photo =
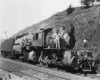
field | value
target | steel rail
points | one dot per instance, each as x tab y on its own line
16	72
19	64
23	67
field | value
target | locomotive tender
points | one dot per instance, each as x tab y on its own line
33	47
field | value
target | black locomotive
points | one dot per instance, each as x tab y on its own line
34	46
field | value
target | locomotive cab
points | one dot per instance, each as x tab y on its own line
38	38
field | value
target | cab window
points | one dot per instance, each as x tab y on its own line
35	36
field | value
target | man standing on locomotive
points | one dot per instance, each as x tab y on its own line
56	38
64	37
61	29
49	41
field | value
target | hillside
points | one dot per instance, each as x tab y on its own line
86	23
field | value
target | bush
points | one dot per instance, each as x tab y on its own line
69	10
98	0
86	3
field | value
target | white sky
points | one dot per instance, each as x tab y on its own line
16	15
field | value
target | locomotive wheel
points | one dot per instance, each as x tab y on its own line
3	54
25	56
74	63
17	56
85	73
13	55
31	56
96	69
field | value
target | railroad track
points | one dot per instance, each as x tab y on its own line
37	73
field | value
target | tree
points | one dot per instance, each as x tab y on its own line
98	0
69	9
86	3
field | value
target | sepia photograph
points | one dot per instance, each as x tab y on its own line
49	40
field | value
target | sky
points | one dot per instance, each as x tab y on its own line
16	15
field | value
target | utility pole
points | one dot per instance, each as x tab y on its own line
6	35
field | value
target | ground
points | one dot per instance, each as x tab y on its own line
4	75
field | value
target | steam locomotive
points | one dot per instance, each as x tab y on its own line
34	48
